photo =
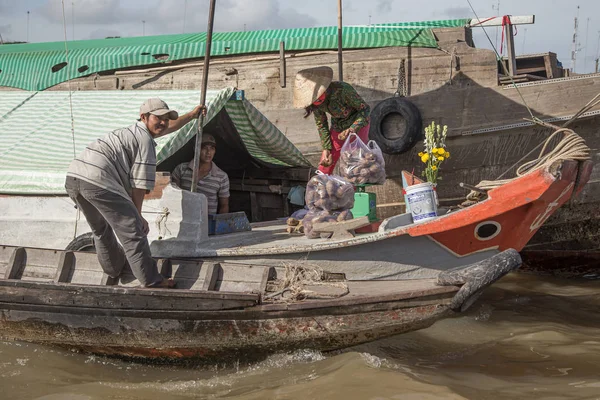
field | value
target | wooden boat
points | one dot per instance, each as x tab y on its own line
226	316
451	82
400	278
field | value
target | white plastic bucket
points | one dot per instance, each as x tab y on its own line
422	202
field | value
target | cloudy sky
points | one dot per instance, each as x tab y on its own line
91	19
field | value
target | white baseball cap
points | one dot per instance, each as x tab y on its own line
157	107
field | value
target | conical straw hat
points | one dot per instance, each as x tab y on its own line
310	84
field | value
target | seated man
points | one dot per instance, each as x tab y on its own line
213	182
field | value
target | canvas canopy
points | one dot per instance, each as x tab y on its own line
37	66
37	143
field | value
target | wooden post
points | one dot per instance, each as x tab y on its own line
510	48
16	264
66	263
211	276
284	198
597	60
340	61
211	18
254	208
282	64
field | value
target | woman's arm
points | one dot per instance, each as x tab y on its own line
323	128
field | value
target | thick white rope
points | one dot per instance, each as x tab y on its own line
570	147
297	277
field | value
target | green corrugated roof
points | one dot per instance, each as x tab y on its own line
37	146
29	66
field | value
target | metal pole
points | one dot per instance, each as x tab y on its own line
598	51
184	12
574	45
340	61
211	18
73	18
585	47
143	28
27	26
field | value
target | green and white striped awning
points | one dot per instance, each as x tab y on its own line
37	66
37	143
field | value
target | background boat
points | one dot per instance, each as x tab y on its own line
434	64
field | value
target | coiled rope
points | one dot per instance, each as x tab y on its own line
297	277
570	147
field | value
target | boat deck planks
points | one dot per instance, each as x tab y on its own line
371	292
223	286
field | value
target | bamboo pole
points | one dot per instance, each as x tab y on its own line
211	18
340	61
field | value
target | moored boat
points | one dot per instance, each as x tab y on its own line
434	65
231	299
229	313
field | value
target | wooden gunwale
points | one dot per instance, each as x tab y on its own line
34	296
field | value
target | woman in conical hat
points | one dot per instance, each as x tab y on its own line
318	95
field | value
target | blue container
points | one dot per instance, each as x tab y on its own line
219	224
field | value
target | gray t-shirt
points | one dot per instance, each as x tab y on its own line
122	160
213	185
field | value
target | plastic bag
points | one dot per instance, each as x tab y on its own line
329	192
316	215
362	163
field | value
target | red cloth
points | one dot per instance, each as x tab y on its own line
337	144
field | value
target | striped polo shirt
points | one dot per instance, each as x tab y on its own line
213	185
122	160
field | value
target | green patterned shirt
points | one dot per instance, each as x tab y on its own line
347	110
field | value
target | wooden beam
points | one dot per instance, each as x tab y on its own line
531	70
282	74
212	274
267	275
66	263
497	21
16	264
284	199
117	298
254	208
510	49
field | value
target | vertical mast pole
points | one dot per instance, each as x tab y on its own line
211	18
340	61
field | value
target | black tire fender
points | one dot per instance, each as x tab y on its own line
476	277
83	242
396	125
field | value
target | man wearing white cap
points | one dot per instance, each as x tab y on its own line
108	181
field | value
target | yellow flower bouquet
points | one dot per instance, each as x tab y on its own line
435	151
